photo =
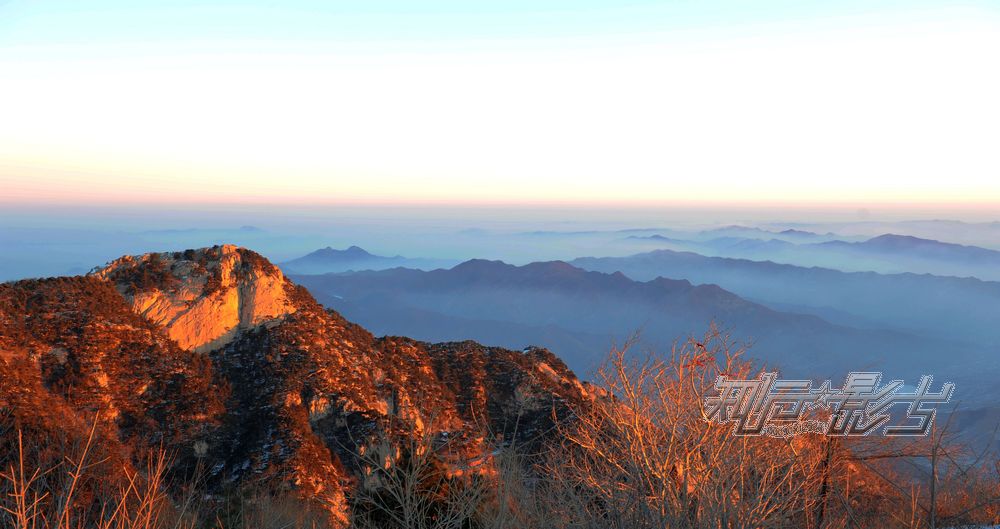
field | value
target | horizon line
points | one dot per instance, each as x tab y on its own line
503	202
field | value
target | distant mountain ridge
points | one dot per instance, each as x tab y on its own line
964	309
983	234
886	253
584	305
327	260
926	248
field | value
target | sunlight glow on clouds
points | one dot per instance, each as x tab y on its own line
880	107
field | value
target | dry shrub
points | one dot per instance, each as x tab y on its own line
82	490
71	495
263	509
644	455
413	483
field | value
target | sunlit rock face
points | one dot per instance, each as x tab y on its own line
202	297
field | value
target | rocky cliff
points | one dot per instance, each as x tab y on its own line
203	298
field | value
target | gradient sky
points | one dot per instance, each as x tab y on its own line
514	101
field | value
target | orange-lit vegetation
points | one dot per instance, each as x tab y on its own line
639	454
648	458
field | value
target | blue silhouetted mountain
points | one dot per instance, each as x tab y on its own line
888	253
964	309
915	247
580	314
327	260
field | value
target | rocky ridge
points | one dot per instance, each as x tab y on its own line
216	356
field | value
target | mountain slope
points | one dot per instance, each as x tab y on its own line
288	398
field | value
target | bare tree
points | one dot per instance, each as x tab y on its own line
407	483
644	455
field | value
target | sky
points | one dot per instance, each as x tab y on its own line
544	101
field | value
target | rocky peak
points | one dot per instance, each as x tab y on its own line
273	388
358	251
204	297
353	252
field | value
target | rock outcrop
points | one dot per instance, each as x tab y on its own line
202	297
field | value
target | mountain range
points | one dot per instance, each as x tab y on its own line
888	253
960	309
581	314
